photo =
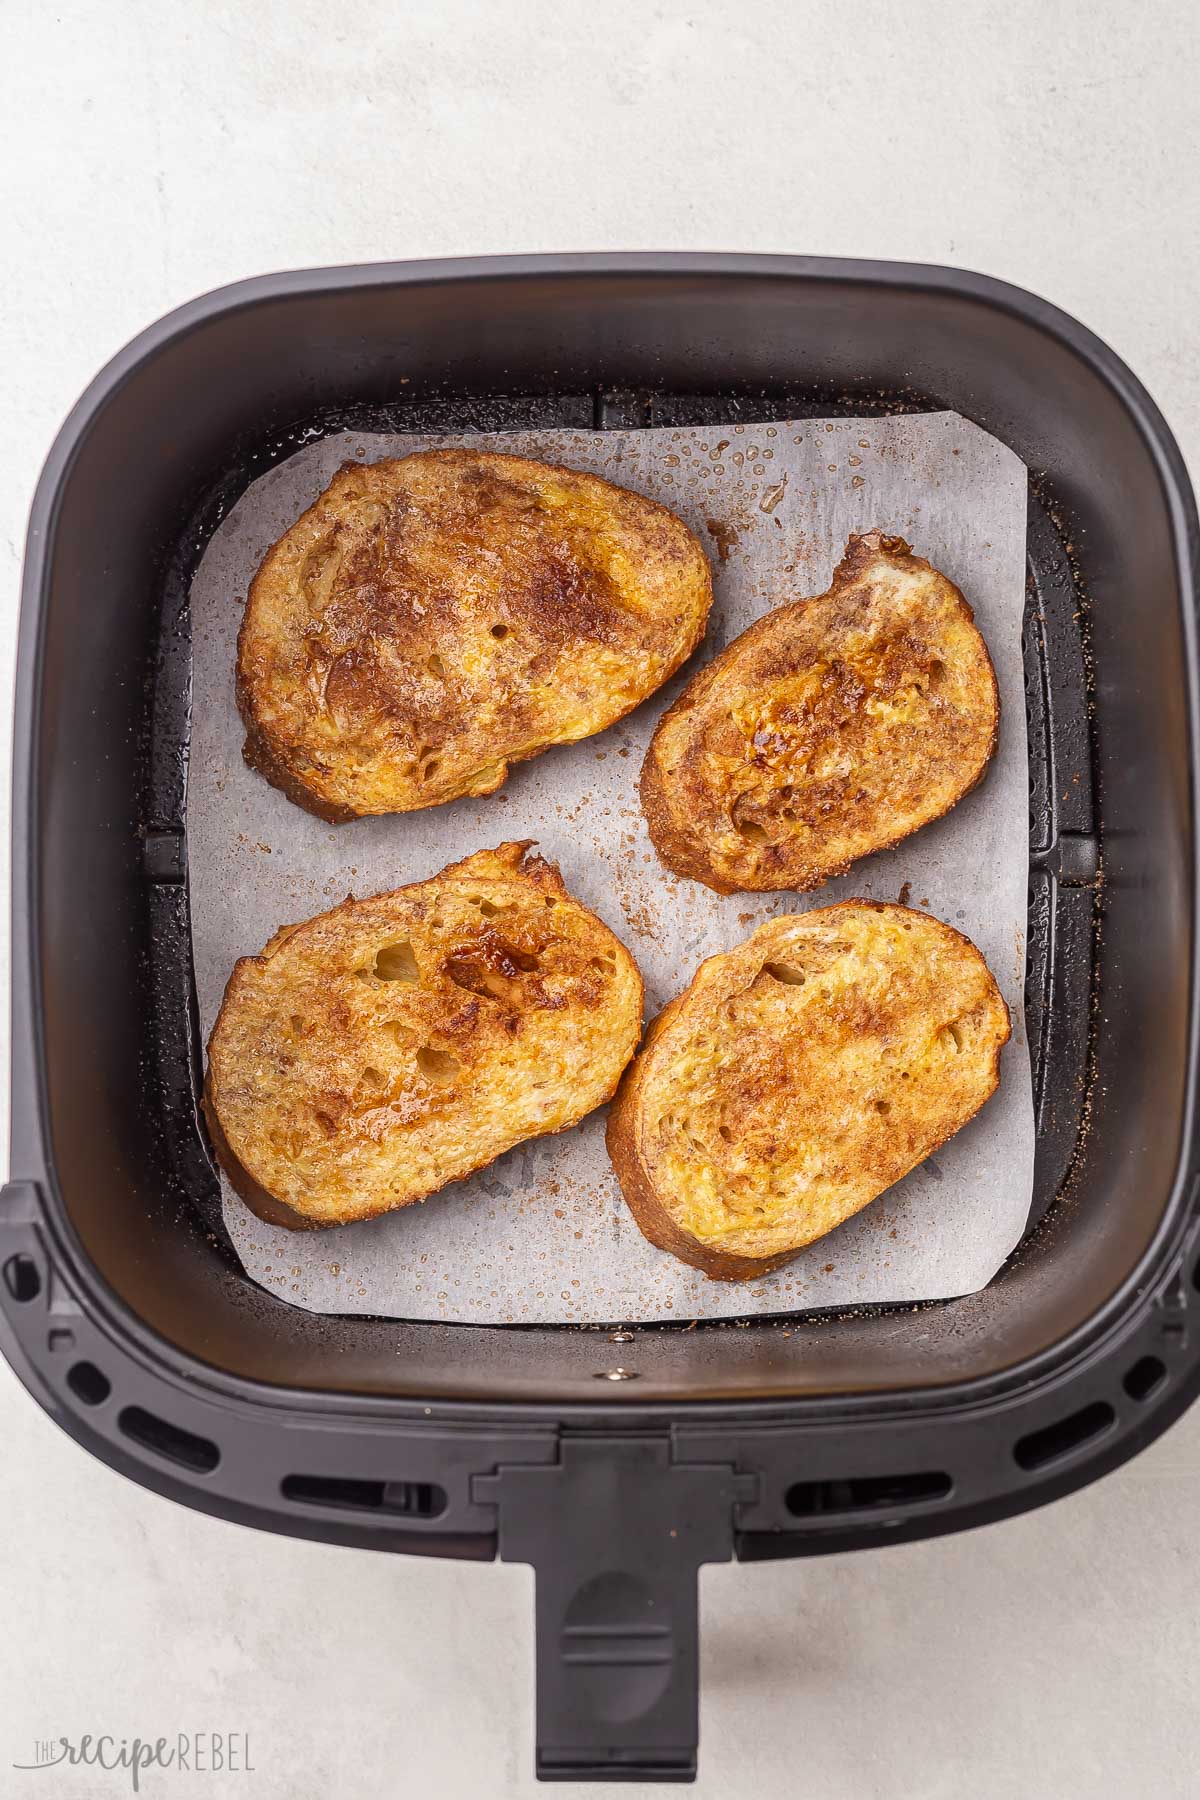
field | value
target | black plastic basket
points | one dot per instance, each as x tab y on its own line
618	1460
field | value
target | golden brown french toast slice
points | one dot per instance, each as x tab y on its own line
371	1055
432	619
831	728
798	1077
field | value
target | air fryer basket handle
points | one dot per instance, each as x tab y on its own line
616	1531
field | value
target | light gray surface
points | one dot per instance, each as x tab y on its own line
542	1234
155	152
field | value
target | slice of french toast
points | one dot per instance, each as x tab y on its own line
372	1054
832	728
432	619
798	1077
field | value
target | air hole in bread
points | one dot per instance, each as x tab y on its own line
935	675
437	1065
436	667
499	631
606	963
883	1106
951	1038
474	979
319	567
296	1025
371	516
473	973
396	962
371	1089
786	973
430	769
724	1132
288	1144
751	830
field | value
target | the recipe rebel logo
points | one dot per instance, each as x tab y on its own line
188	1752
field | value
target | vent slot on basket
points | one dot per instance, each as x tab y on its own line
21	1278
866	1493
88	1383
401	1499
1065	1436
170	1441
1145	1377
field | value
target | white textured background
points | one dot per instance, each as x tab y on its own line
154	150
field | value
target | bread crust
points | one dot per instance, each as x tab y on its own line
830	729
787	1078
433	619
255	1195
376	1052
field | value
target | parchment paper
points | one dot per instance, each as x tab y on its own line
543	1235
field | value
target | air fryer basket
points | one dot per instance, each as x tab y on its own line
617	1460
